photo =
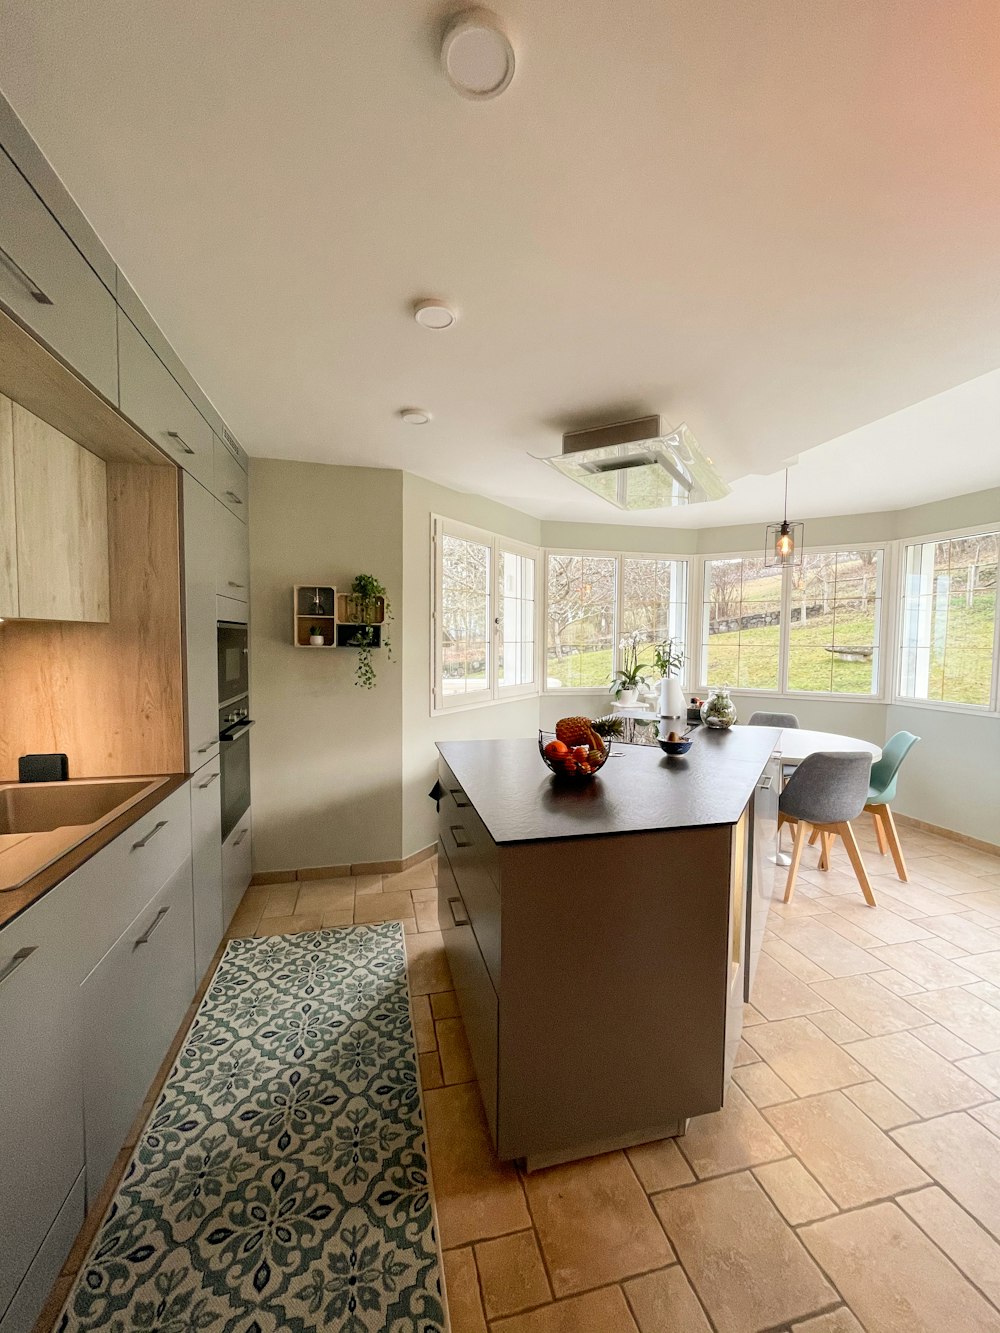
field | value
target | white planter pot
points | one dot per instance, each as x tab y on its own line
316	640
671	698
627	698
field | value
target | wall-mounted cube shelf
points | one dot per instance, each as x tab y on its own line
350	610
314	604
347	633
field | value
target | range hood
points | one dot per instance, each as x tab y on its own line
639	465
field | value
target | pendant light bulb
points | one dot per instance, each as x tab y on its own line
785	545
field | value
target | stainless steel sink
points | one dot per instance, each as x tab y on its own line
40	807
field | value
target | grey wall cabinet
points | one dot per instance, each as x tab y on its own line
236	868
133	1002
231	482
206	864
152	398
233	555
46	282
201	636
41	1125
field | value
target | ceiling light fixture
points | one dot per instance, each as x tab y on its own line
414	416
477	55
783	541
430	313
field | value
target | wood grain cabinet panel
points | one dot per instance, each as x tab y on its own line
8	537
61	503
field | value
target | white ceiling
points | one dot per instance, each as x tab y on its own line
777	220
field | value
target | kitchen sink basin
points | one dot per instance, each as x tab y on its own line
41	807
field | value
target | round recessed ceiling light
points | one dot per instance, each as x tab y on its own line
414	416
477	55
433	314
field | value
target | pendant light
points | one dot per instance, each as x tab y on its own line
783	542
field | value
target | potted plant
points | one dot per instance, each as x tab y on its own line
668	658
316	639
369	606
626	683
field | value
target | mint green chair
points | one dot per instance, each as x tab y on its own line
882	790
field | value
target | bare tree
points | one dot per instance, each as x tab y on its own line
724	590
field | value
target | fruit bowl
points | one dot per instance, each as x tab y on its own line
576	763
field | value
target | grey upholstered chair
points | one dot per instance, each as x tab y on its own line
773	720
825	793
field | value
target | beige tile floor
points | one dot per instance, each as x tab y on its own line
851	1182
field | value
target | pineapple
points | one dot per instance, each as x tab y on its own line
573	731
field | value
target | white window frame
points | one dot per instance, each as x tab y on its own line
493	692
992	709
619	557
886	637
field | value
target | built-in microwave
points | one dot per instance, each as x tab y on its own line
234	662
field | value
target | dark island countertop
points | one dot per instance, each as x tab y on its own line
638	790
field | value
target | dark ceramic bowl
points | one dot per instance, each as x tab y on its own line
676	747
571	770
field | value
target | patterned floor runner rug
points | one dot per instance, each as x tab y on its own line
281	1182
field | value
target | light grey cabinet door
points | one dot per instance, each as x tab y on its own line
231	482
133	1003
233	561
50	287
201	635
206	864
236	867
152	398
24	1309
41	1112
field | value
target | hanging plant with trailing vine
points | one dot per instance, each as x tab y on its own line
366	590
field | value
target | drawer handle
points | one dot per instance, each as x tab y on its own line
181	441
151	834
231	584
243	834
16	962
16	271
205	748
451	906
457	839
144	939
766	784
234	497
208	782
456	792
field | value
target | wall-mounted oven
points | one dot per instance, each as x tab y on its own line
234	756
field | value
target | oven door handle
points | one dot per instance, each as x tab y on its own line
234	733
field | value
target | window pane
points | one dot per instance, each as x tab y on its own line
517	620
580	612
465	616
742	623
655	602
835	615
947	620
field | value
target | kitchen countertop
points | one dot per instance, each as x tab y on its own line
14	901
638	790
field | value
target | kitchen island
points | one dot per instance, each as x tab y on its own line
603	937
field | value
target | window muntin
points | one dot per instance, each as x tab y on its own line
579	621
948	620
465	616
741	623
834	615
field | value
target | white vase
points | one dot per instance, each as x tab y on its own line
627	698
671	698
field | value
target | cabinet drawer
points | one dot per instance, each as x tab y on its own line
236	867
231	482
133	1003
47	1264
41	1121
233	559
126	875
152	398
71	309
477	999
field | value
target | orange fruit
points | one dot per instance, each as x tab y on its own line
556	750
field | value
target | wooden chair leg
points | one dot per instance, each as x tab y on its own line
793	869
827	844
892	836
814	837
883	844
853	851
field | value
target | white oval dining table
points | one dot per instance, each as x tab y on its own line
797	743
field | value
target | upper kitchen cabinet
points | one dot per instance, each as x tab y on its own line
61	523
8	536
152	398
46	282
231	482
233	558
